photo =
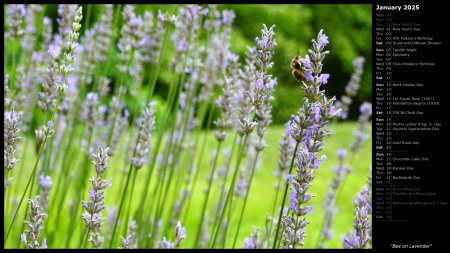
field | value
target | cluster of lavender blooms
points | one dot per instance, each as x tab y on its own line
16	13
188	29
305	130
46	184
11	135
130	39
145	124
363	124
287	145
253	241
93	217
116	122
352	87
180	235
329	204
362	237
66	67
225	103
6	92
89	114
261	96
34	226
129	242
244	106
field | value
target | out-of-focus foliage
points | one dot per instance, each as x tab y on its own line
348	26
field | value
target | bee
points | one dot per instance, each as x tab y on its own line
298	68
295	64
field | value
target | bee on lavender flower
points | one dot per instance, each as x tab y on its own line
298	68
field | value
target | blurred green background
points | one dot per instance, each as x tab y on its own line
348	26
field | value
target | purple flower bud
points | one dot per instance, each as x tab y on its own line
290	178
91	193
260	84
293	198
23	238
109	183
164	242
307	62
334	112
248	243
323	40
44	244
308	75
309	209
323	78
342	153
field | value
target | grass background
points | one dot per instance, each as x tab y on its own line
261	194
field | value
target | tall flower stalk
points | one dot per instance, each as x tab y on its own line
11	123
16	13
365	112
34	226
330	208
305	128
261	98
362	236
140	154
93	217
352	86
259	93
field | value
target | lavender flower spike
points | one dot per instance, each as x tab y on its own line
352	86
11	123
34	226
180	235
363	124
93	217
305	129
145	128
46	184
16	13
252	242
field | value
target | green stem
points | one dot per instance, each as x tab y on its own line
205	202
269	230
222	190
13	67
341	189
120	207
230	191
337	197
284	198
82	177
230	210
246	197
155	74
63	181
125	227
202	112
87	236
162	131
